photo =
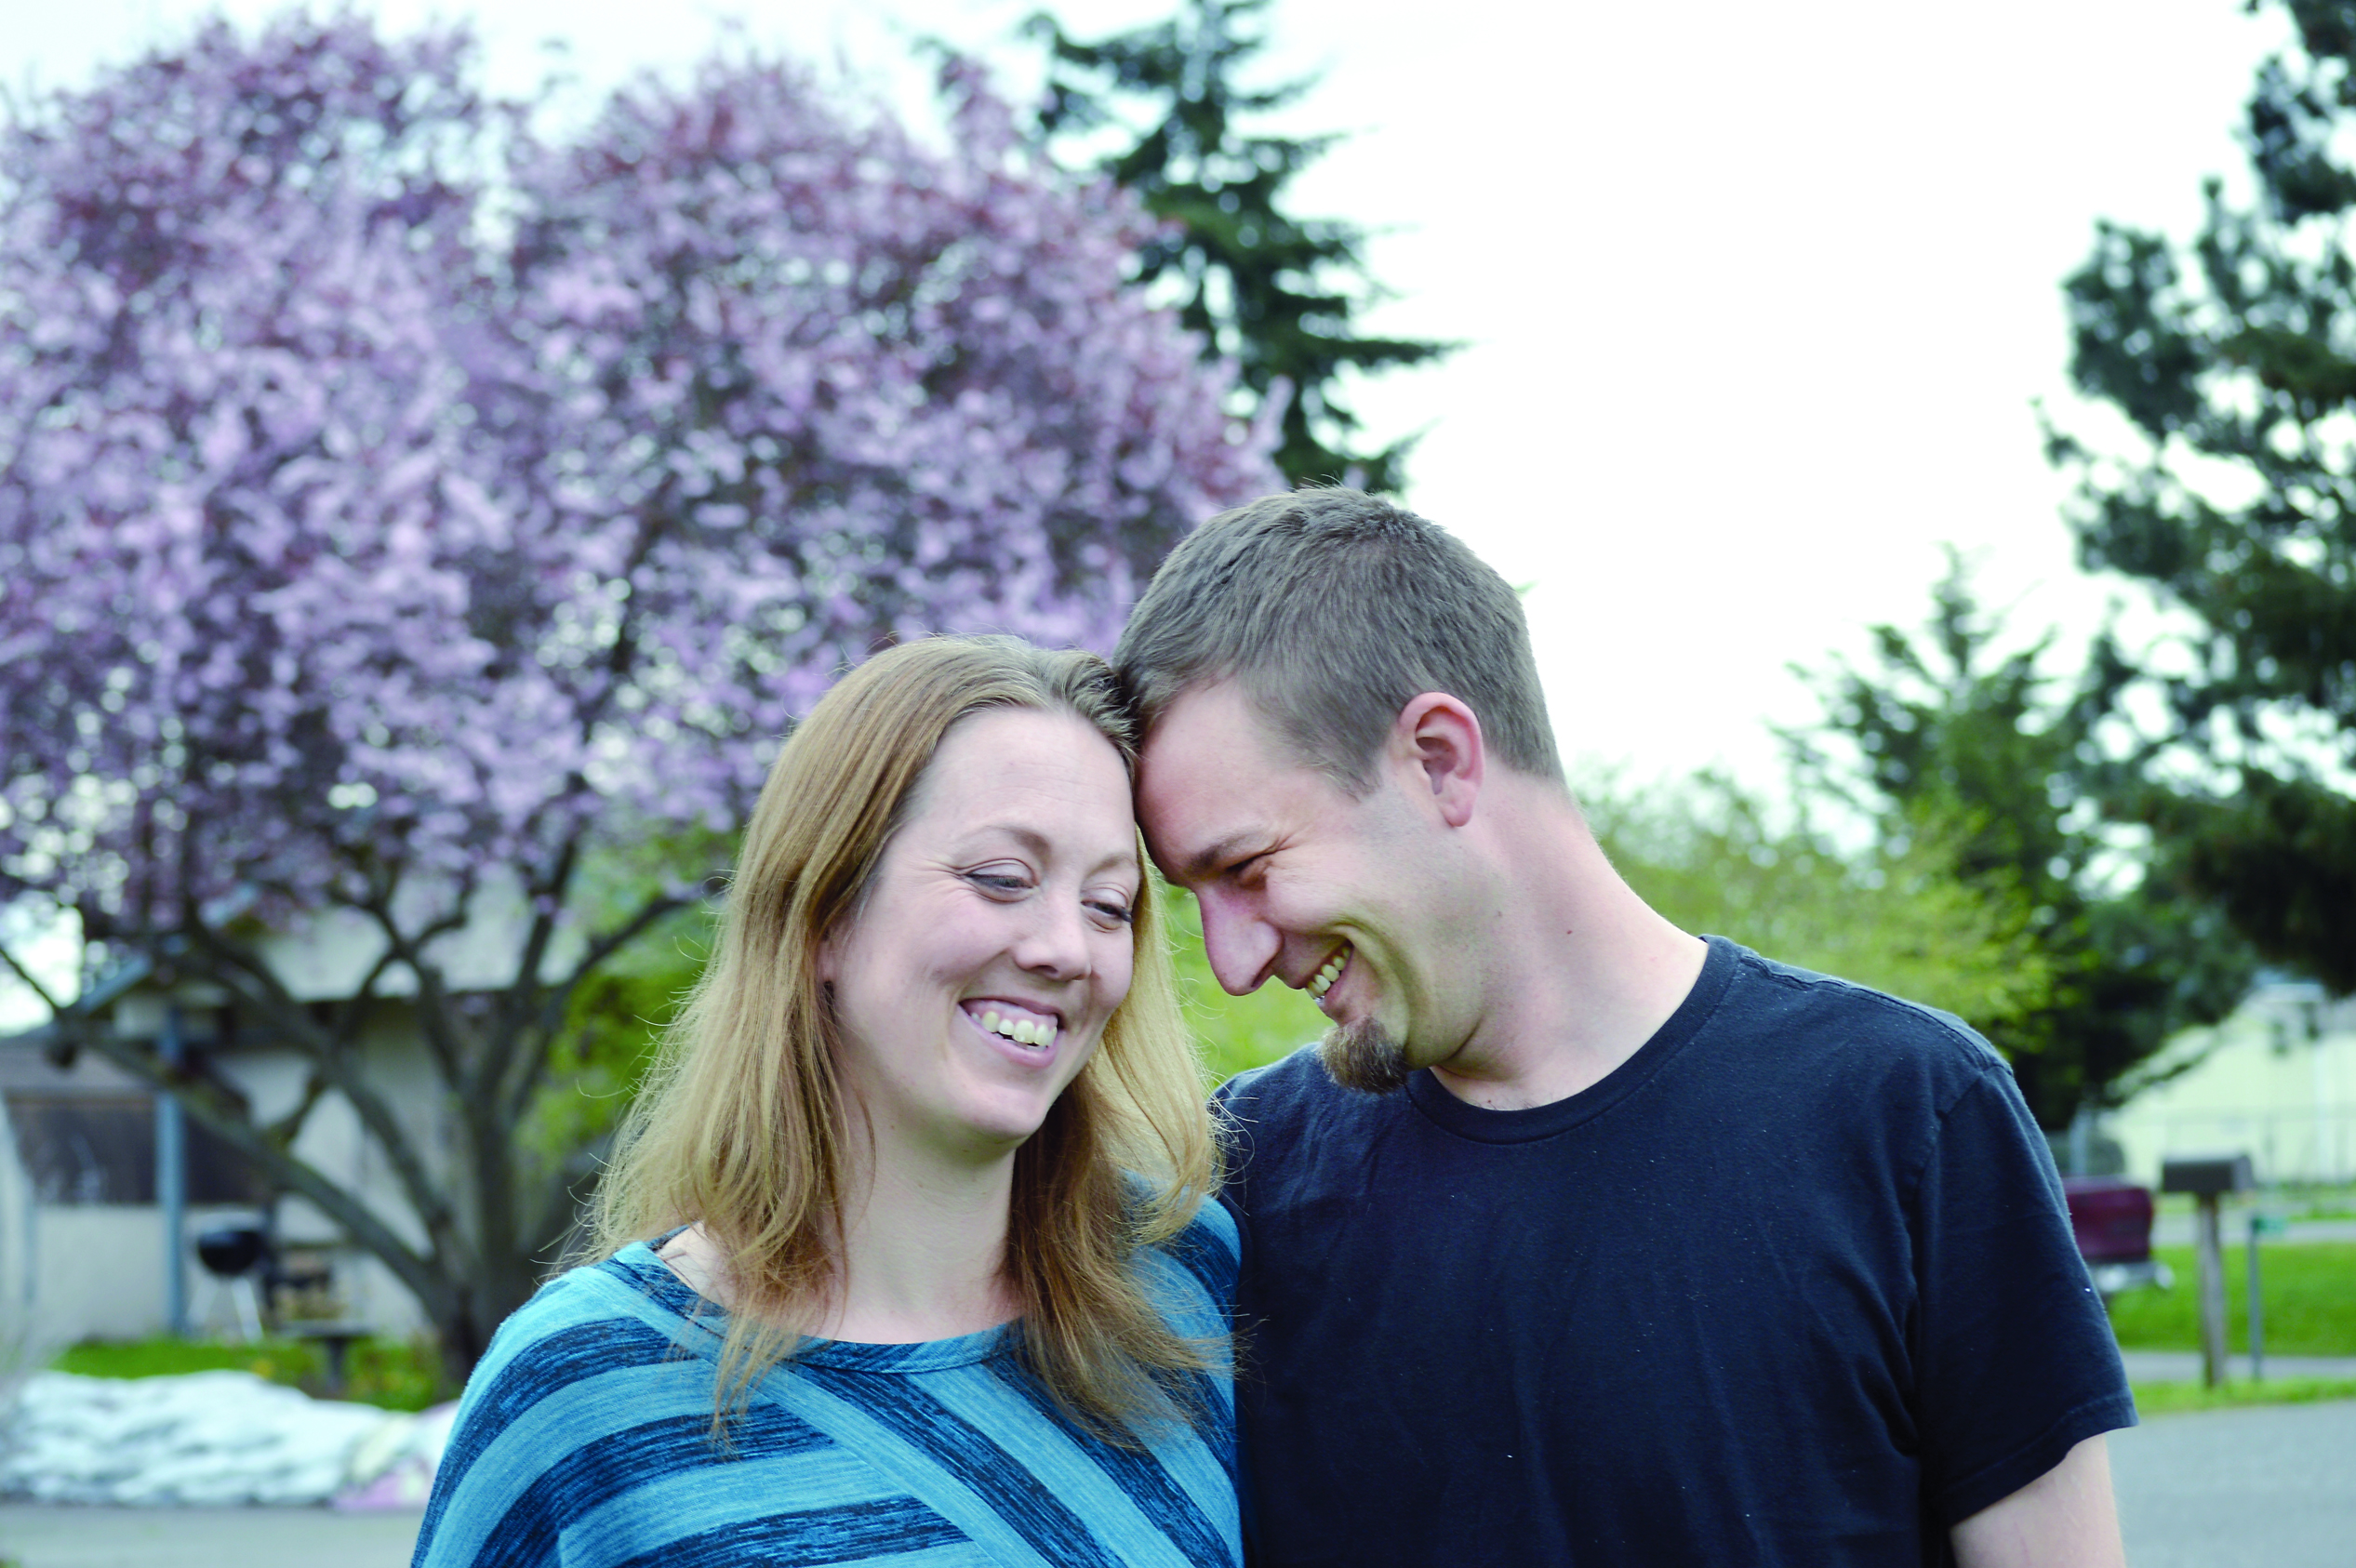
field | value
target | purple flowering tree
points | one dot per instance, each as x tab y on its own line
403	515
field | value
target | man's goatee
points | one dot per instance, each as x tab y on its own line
1364	1057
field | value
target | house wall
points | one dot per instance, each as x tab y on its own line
74	1272
78	1271
96	1271
334	1142
2276	1080
98	1268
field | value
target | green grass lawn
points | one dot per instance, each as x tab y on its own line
2309	1298
397	1375
2179	1399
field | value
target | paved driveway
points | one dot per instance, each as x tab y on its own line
2268	1487
70	1538
2272	1487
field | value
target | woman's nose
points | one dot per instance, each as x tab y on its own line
1057	944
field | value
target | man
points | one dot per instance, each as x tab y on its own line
1580	1240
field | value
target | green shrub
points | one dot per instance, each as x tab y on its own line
395	1373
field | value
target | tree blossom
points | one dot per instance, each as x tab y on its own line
395	502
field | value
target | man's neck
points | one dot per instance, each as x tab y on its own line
1577	971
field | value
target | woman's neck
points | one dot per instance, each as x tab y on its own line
924	1251
923	1254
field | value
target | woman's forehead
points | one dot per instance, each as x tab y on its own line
1048	783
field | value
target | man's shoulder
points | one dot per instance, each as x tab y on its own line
1296	1089
1281	1077
1291	1115
1773	1003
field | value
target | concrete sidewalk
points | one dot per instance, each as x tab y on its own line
2178	1231
2265	1487
2259	1488
39	1535
2184	1366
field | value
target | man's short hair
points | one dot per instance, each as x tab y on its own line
1332	610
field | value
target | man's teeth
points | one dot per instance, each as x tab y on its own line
1022	1031
1322	981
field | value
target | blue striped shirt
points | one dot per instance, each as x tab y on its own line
583	1438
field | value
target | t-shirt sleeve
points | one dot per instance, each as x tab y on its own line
477	1512
2015	1362
566	1411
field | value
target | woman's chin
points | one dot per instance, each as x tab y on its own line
980	1133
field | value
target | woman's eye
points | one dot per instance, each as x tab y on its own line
1004	883
1117	910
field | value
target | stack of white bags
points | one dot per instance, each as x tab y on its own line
211	1438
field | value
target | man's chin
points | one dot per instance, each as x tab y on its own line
1364	1057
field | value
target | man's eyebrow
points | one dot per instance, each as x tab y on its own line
1203	863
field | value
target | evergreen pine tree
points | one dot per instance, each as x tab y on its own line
1275	291
2239	370
1957	744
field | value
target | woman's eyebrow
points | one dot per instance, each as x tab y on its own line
1037	844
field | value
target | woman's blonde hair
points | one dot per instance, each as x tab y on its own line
742	1124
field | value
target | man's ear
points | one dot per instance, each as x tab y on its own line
1440	738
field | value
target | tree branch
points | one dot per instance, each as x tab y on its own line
433	1002
211	1104
32	985
432	1209
505	1049
286	1129
559	997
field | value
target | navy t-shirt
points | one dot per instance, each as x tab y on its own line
1792	1285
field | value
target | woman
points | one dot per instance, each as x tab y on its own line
908	1250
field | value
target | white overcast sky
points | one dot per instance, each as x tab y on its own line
1757	298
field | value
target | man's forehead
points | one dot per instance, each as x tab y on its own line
1218	726
1212	780
1191	813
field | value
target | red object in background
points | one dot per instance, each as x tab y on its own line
2111	1217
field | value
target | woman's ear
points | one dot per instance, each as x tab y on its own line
1438	737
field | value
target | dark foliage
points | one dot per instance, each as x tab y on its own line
1954	739
1275	291
2238	358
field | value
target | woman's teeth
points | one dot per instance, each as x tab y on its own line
1322	981
1022	1031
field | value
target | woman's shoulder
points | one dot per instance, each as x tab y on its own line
1193	1274
589	1323
591	1386
1210	1241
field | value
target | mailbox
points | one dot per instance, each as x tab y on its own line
2207	1177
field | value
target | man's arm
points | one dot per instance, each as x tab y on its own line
2064	1518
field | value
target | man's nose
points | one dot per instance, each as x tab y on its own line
1241	947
